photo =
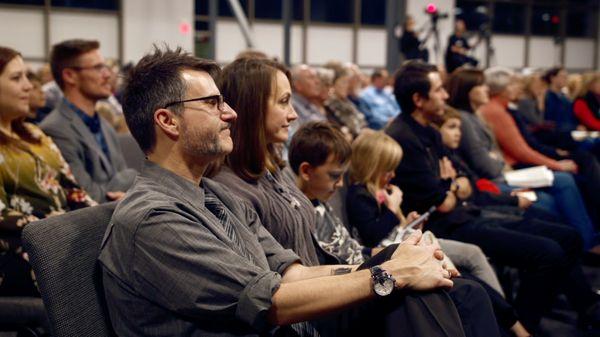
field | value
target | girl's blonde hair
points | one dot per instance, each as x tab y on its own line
373	154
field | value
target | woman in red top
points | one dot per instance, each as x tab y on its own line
587	106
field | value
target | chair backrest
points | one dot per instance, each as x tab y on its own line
63	252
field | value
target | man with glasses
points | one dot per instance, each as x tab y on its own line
87	142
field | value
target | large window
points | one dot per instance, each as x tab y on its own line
23	2
545	20
90	4
372	12
332	11
225	10
474	13
509	18
582	21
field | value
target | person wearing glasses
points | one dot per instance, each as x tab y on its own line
88	142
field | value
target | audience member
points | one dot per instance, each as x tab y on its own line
319	157
37	100
255	172
458	48
532	102
587	105
340	110
35	180
306	86
428	178
381	104
558	105
87	141
226	273
519	153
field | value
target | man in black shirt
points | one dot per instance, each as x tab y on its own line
458	47
545	254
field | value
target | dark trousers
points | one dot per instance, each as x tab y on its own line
545	254
464	310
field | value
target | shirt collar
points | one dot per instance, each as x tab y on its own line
93	123
172	183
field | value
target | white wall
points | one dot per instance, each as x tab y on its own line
509	51
26	33
155	21
372	47
328	43
543	52
579	53
101	27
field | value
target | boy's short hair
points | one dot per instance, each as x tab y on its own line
449	113
314	142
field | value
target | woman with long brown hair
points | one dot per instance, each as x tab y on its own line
35	181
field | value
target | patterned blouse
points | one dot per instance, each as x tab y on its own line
345	114
35	182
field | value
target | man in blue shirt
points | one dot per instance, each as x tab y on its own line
381	104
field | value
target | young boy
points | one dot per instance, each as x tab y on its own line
319	155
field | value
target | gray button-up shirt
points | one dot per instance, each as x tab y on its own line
169	268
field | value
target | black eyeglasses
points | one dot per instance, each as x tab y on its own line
215	101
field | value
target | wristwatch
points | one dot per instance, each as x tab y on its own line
383	283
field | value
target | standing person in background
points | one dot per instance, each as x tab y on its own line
381	104
409	44
87	141
458	48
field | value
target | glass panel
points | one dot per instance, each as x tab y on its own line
582	21
372	12
545	21
23	2
225	10
509	18
332	11
474	13
91	4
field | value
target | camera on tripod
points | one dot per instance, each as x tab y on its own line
433	12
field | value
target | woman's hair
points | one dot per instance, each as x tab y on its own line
459	86
246	85
373	154
18	126
588	79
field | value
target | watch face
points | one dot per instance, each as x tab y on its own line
384	286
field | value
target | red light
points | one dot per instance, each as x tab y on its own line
555	19
185	28
431	8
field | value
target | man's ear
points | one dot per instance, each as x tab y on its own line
304	171
417	100
167	122
69	76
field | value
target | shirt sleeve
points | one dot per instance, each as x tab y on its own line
585	115
183	266
476	155
373	224
278	257
512	142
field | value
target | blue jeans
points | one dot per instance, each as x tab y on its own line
564	201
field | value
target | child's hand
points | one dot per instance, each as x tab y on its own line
412	216
393	197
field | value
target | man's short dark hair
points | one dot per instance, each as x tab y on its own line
411	78
64	54
314	142
155	82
